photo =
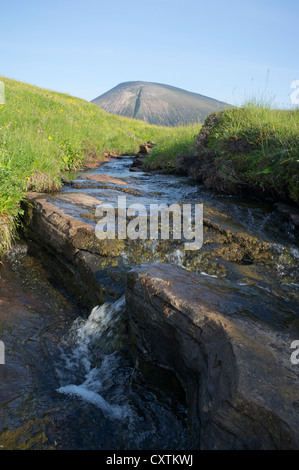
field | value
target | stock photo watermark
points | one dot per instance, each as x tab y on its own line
160	222
295	93
295	354
2	353
2	93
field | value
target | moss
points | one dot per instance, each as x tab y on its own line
87	240
205	262
30	436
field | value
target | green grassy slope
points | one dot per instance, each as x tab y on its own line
43	132
248	150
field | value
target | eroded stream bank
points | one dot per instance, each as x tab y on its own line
249	260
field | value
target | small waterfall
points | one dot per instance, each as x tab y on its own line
95	367
92	357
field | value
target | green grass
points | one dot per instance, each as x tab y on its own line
254	148
43	133
175	142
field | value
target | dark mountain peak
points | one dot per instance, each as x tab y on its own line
157	103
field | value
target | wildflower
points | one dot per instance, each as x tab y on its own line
50	138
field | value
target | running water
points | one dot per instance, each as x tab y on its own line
92	354
73	382
95	367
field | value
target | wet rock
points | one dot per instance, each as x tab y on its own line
105	179
290	212
81	199
137	164
241	386
61	242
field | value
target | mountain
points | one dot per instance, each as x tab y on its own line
158	104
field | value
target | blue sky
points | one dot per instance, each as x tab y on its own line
229	50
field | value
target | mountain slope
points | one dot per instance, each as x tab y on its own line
158	104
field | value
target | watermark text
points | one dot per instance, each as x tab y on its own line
160	221
295	92
2	353
2	93
295	354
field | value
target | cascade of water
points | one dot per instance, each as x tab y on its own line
95	368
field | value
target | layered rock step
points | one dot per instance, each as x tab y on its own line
71	251
242	389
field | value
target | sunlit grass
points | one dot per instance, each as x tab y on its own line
261	145
177	141
254	148
43	133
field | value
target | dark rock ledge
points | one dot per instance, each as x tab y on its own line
242	390
72	254
241	387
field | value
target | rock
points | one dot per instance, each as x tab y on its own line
136	168
81	199
144	149
70	249
96	162
137	164
150	144
105	179
112	155
241	387
65	180
289	211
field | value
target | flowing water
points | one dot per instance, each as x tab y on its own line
71	380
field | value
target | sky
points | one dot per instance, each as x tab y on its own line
233	50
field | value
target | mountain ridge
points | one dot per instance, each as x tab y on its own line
158	103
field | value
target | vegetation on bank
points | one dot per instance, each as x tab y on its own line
252	149
174	143
248	150
43	133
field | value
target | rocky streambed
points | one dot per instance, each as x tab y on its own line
216	323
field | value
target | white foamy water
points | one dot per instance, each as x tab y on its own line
96	370
93	357
177	258
82	391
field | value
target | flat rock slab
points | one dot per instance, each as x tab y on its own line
105	179
63	241
80	199
242	389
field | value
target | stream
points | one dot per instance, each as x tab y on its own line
71	379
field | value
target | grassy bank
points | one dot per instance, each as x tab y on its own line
43	133
175	143
248	150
